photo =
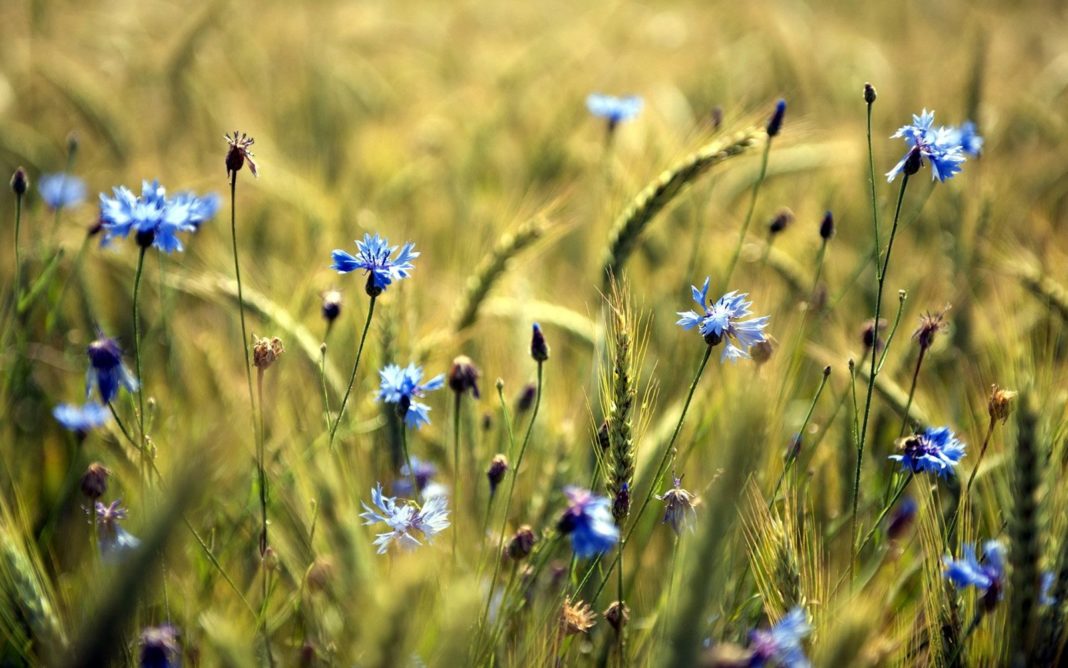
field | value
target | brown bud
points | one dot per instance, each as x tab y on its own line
94	481
617	615
522	543
869	93
463	376
576	617
762	350
497	468
320	574
1000	404
266	351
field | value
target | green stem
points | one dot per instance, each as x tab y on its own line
912	392
883	512
355	366
137	358
800	434
456	470
874	197
260	464
18	252
241	295
749	213
408	460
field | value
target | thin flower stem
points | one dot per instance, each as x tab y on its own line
804	425
749	213
874	197
355	366
874	372
241	295
912	392
408	460
260	464
322	383
902	297
456	468
979	460
18	252
882	514
137	358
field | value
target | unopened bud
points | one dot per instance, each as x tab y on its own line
497	468
869	93
94	482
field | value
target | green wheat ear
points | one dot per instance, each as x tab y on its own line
25	599
636	217
620	394
1044	287
1025	538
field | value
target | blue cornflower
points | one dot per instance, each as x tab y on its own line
986	576
1045	593
424	474
160	648
81	419
938	145
115	542
781	644
374	257
60	191
402	385
152	217
723	321
404	518
967	137
588	519
614	109
106	370
936	450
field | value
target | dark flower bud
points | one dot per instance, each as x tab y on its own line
521	544
463	376
775	124
238	153
96	228
617	615
869	334
930	326
371	288
781	221
992	595
526	398
487	421
20	182
603	439
716	116
499	384
902	518
539	349
94	482
72	143
145	238
713	339
793	449
331	305
159	646
827	226
308	654
497	468
913	162
869	93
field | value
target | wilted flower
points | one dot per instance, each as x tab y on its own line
402	386
939	145
239	153
613	109
266	352
463	376
935	451
106	370
930	325
986	576
576	618
331	305
723	321
374	256
115	542
617	614
497	468
60	191
159	647
588	520
154	219
404	519
539	349
81	419
781	644
678	507
1000	404
522	543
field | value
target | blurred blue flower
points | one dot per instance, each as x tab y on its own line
60	191
402	386
152	217
107	373
588	519
940	146
781	644
115	542
160	648
424	473
722	321
404	518
80	419
987	576
967	137
936	450
1045	594
614	109
374	257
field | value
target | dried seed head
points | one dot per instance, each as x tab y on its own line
1000	404
762	350
617	614
827	226
266	351
930	325
497	468
522	543
869	93
869	334
331	305
781	221
539	349
94	482
576	618
463	376
20	183
239	153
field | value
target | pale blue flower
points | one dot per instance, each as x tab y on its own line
936	450
940	146
375	256
81	419
152	217
402	386
614	109
588	520
724	322
987	575
967	137
781	644
60	191
1045	594
115	542
404	519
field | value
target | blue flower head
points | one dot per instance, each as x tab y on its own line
987	575
424	474
402	386
406	520
588	519
614	109
81	419
724	322
1045	593
160	648
154	219
781	644
115	542
60	191
940	146
967	137
107	373
936	450
375	256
